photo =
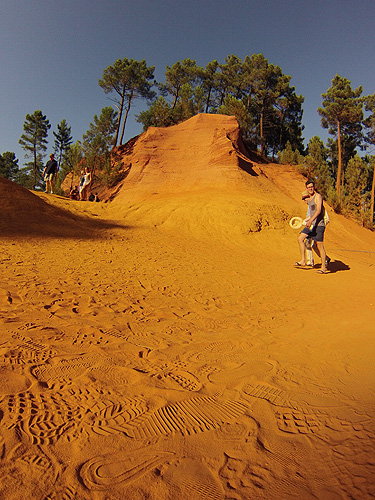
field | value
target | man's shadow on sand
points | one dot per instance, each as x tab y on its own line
334	267
337	265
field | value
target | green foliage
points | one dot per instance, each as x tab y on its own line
288	121
210	83
278	110
369	121
289	156
34	142
63	140
72	164
356	176
334	200
230	78
159	114
9	166
128	79
316	167
235	107
180	74
98	140
112	174
342	114
256	92
341	105
162	114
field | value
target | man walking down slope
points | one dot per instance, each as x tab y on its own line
315	227
50	172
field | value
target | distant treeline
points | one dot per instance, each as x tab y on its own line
267	108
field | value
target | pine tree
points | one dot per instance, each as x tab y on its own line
342	107
9	166
266	88
369	123
72	164
159	114
181	73
355	183
210	80
258	93
290	156
230	78
288	122
63	140
34	142
316	167
98	140
129	79
235	107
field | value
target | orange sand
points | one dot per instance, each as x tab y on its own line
162	346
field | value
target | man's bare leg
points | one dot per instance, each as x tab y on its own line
301	243
322	255
316	249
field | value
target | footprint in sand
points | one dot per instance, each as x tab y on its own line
186	417
43	333
44	418
27	473
101	472
172	372
26	351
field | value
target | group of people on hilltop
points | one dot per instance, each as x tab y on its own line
80	192
77	194
84	184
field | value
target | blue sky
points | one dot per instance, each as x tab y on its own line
53	52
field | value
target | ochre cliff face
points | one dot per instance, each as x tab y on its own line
203	152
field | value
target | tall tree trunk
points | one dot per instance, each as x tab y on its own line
34	167
248	100
208	100
261	132
119	117
339	165
60	158
176	96
126	116
372	197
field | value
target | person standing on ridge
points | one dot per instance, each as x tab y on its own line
315	227
84	188
50	172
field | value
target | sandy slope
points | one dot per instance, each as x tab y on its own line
163	346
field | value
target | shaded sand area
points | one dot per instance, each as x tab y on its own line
162	345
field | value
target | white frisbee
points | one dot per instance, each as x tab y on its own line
296	222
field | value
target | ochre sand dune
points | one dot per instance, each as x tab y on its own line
163	346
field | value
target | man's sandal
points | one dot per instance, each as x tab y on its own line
320	271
